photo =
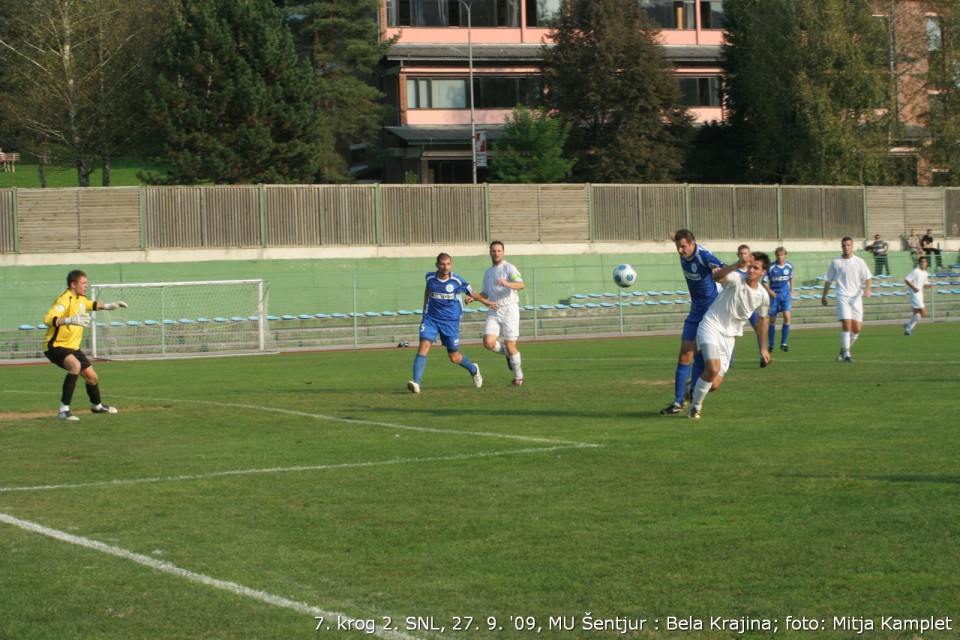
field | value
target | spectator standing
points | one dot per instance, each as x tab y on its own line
879	249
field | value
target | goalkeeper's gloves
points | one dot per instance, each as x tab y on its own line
110	306
80	319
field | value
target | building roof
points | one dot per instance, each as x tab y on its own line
693	53
409	52
488	52
443	135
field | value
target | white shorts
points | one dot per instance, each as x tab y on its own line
713	345
850	308
916	299
503	322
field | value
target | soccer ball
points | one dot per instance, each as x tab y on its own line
624	276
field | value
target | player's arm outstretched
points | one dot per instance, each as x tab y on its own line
480	297
720	274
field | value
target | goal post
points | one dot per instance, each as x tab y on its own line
181	319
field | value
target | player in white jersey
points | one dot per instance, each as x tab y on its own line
851	273
501	283
740	297
917	280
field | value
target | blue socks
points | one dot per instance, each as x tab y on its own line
469	366
419	364
680	382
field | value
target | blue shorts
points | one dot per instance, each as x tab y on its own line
780	303
449	332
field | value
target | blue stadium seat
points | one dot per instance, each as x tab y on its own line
576	306
337	315
219	319
26	326
372	314
133	323
404	312
389	313
150	323
592	305
208	319
322	316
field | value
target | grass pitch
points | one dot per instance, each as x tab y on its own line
250	497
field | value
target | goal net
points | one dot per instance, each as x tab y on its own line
181	319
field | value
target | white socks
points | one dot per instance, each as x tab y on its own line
700	391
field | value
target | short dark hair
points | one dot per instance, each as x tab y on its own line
497	242
760	256
683	234
442	256
846	239
74	276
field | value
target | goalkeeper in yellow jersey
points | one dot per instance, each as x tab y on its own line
66	320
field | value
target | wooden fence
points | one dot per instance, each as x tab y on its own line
139	218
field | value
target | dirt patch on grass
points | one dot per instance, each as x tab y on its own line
30	415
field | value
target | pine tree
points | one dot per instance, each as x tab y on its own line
531	149
608	79
233	102
343	43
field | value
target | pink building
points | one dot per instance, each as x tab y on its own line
426	74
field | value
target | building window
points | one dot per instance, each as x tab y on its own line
934	25
543	13
671	14
700	92
711	14
488	93
450	13
437	93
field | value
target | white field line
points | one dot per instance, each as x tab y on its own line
244	472
330	617
357	421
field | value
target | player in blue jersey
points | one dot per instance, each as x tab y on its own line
780	280
698	266
442	309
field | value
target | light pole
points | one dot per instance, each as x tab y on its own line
473	121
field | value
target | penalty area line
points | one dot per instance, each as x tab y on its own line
320	467
190	576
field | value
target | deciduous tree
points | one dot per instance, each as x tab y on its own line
531	149
607	77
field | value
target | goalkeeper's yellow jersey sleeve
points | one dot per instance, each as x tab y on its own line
67	336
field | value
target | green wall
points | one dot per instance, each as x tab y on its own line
378	284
